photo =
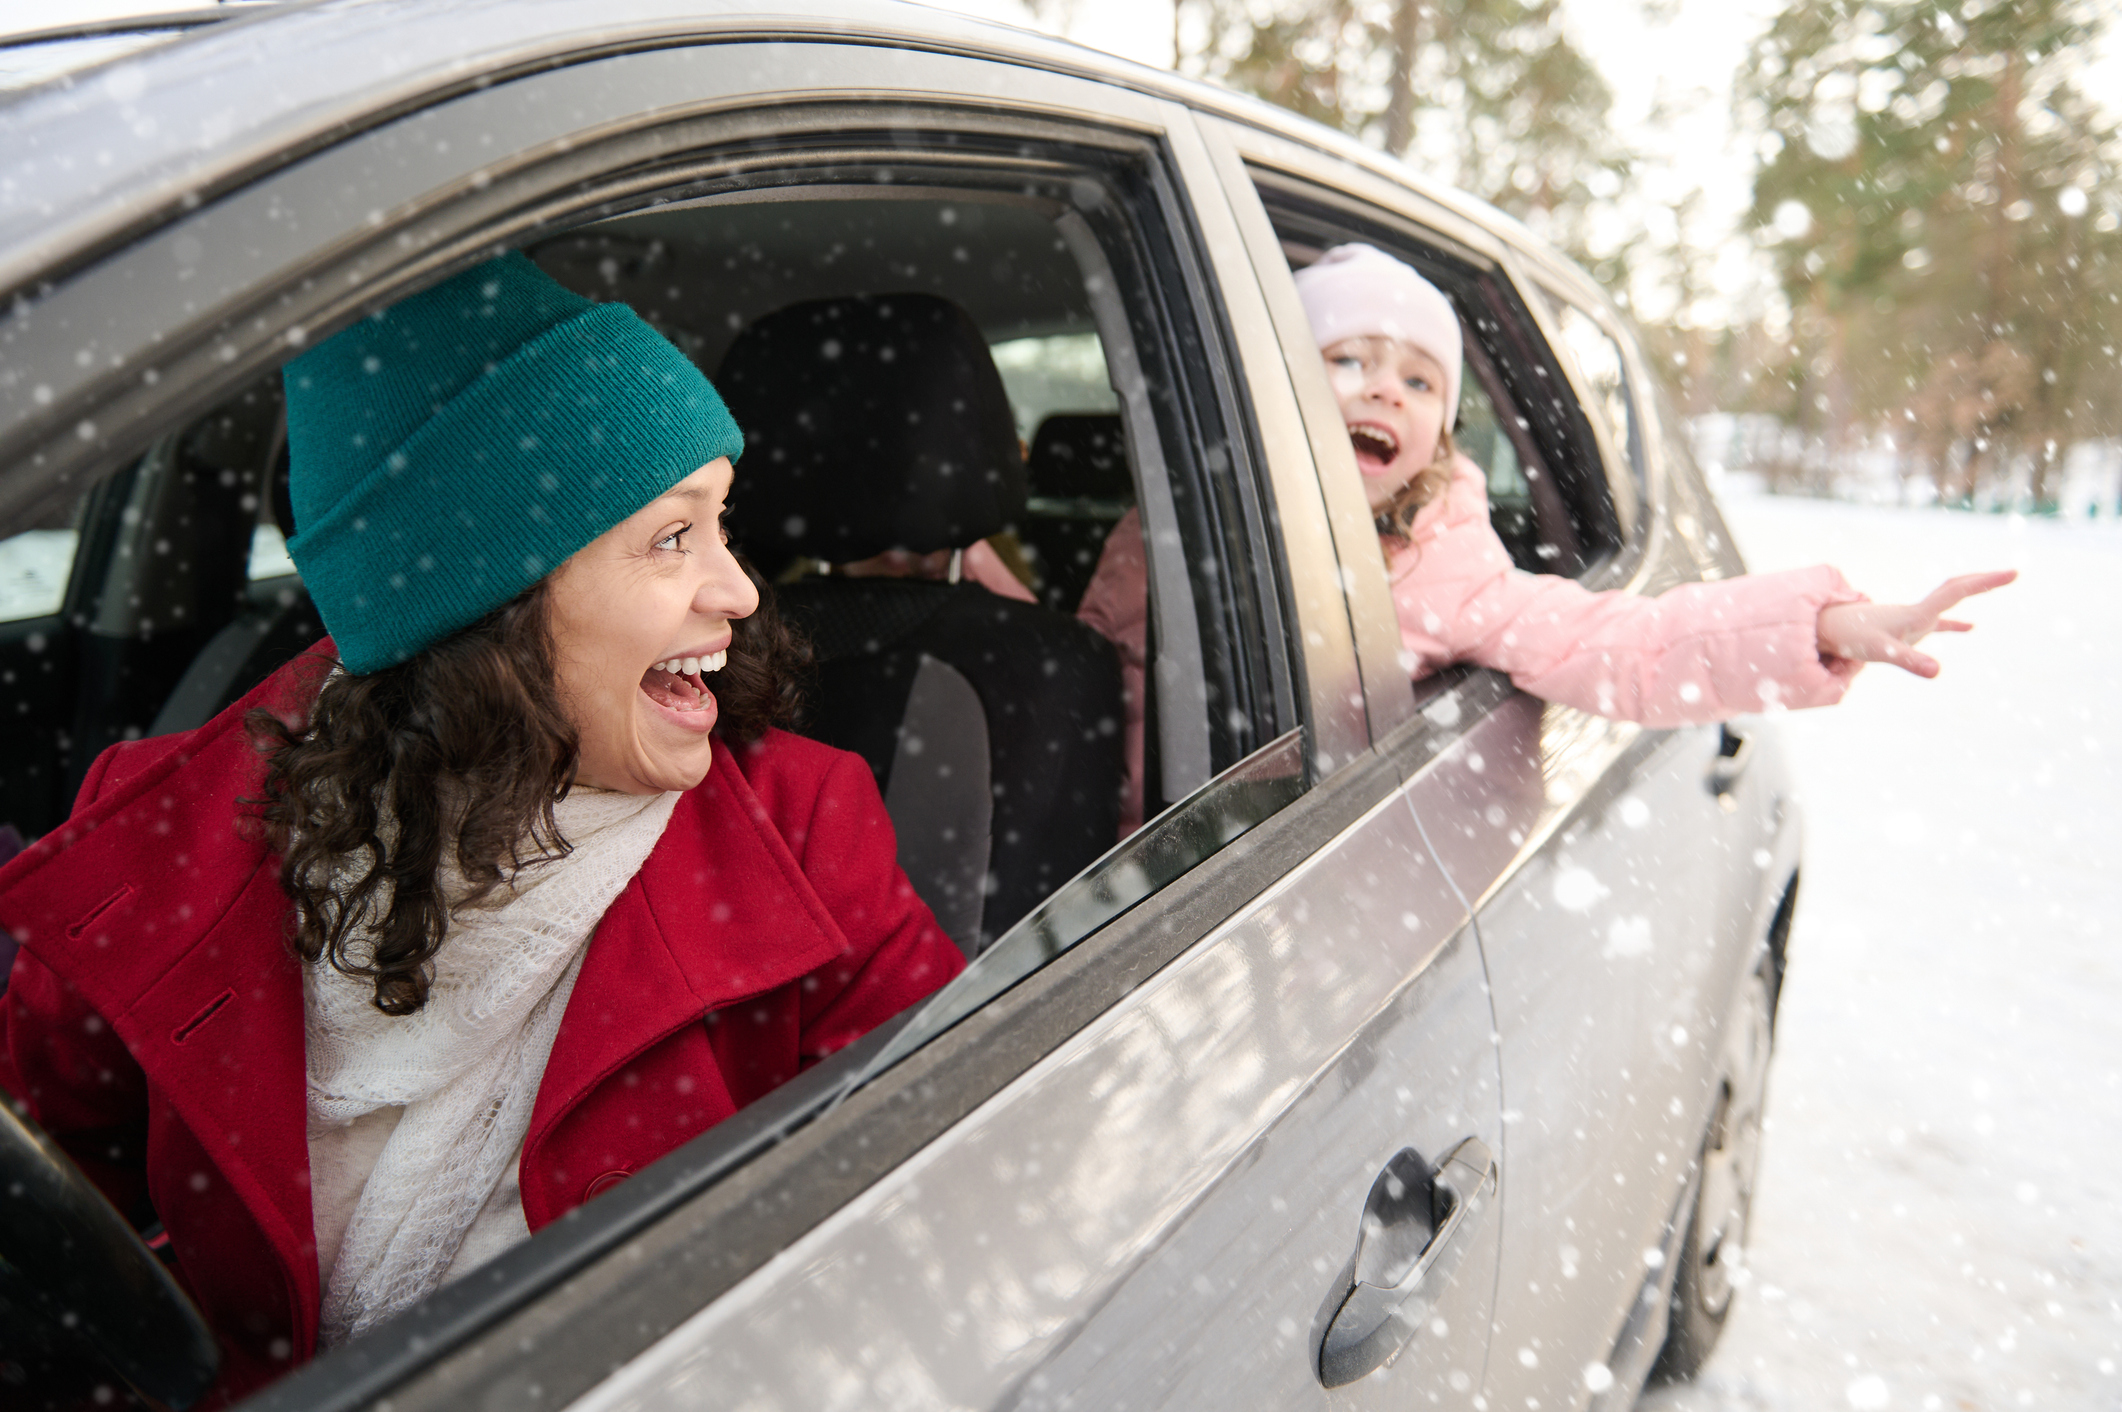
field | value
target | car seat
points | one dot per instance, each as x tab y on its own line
275	622
992	726
1080	487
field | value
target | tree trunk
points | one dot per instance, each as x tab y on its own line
1400	101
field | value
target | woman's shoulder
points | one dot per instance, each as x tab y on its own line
792	774
780	754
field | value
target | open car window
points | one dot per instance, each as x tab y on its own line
1550	498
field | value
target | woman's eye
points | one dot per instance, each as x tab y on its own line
675	540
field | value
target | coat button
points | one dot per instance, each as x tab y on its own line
605	1183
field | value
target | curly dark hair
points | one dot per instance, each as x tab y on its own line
463	747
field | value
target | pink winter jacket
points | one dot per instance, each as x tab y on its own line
1702	652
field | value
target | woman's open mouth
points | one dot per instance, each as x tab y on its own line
1376	448
677	686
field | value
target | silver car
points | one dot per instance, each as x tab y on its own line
1413	1052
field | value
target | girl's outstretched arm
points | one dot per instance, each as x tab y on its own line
1889	632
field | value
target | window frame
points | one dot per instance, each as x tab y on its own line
1264	167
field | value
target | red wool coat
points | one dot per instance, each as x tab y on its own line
153	1020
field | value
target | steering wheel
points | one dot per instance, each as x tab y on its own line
67	1254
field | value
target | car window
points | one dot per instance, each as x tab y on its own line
706	274
268	558
34	565
1549	497
1054	373
1596	358
1039	268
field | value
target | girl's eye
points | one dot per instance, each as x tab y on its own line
675	540
1419	384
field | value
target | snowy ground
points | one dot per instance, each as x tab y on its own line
1940	1218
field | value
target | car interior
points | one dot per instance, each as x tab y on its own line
880	413
915	368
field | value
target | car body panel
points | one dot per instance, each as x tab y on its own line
1108	1226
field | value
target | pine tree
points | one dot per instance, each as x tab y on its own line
1948	219
1488	95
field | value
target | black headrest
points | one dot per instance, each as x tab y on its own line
871	422
1080	455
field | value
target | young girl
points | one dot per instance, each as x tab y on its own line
1702	652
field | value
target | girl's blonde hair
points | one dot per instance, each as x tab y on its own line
1399	513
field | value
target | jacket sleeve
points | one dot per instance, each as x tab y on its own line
1116	603
63	1066
1702	652
897	954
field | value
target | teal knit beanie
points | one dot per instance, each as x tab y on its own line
450	451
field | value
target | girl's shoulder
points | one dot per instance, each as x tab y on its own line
1452	529
1465	499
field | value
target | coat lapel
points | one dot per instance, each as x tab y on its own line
719	912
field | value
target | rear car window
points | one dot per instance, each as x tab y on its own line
1549	496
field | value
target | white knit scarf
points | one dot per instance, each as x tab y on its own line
466	1066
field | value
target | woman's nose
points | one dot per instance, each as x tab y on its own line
727	591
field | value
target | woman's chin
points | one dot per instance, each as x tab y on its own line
671	748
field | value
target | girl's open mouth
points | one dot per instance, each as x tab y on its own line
677	687
1376	448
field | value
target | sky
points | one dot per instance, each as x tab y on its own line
1671	77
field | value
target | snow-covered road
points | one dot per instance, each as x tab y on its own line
1940	1218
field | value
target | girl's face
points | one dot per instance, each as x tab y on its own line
1392	398
655	592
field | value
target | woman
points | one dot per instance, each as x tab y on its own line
529	861
1702	652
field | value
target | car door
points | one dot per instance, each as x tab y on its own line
1168	1206
1600	858
1151	1144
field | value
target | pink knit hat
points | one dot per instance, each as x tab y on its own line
1356	291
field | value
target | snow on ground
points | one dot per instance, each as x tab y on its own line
1939	1223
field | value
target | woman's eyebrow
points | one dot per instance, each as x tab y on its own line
691	494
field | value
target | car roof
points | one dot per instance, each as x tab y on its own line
103	153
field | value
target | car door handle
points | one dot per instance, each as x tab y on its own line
1416	1223
1735	751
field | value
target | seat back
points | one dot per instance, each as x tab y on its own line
992	726
275	622
1080	487
870	423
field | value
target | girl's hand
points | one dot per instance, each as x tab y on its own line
1889	632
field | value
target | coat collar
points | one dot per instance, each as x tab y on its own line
720	912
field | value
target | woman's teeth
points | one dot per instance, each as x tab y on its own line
694	666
